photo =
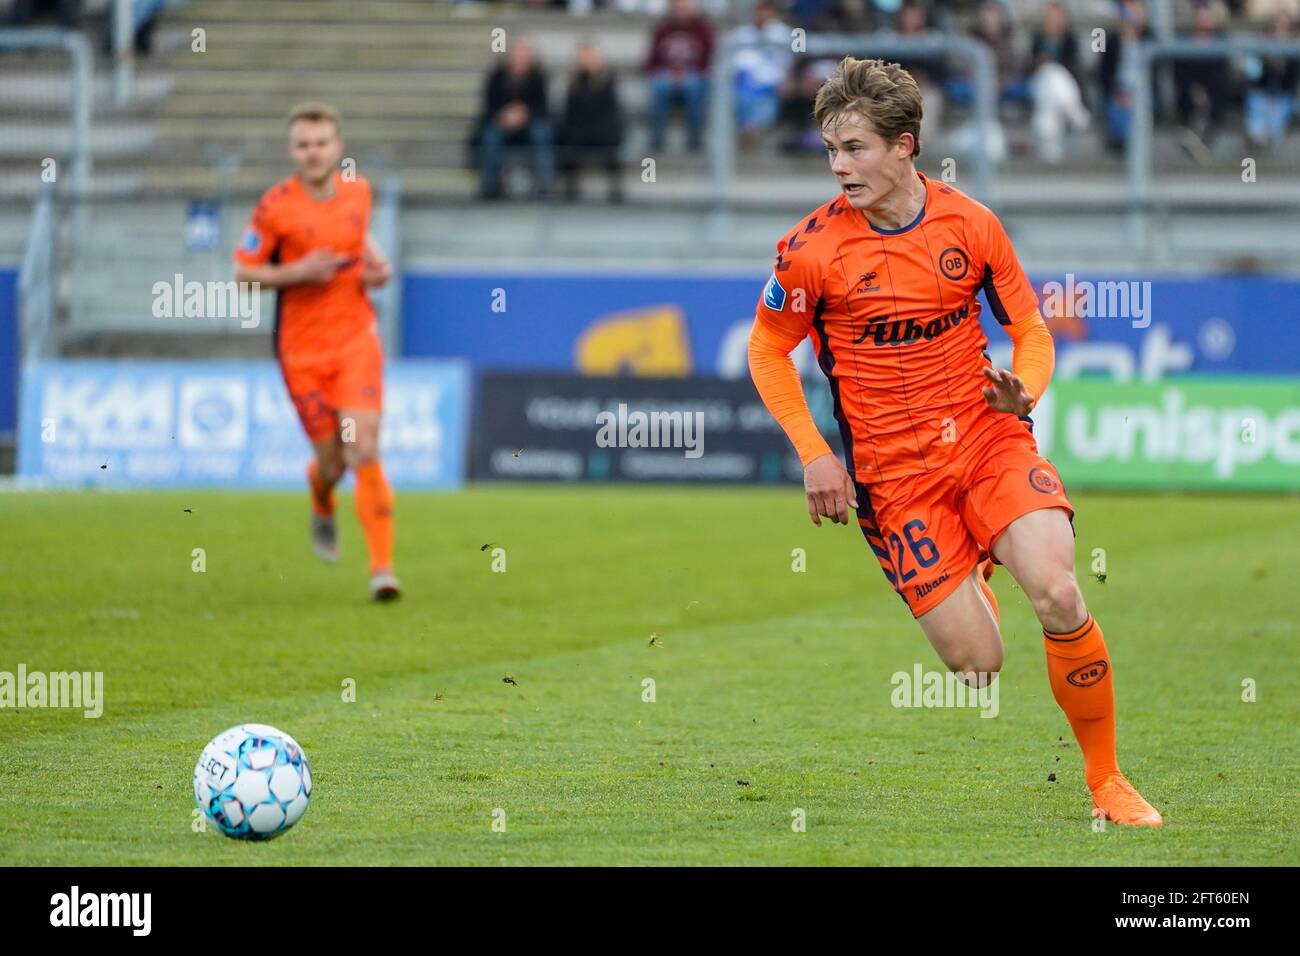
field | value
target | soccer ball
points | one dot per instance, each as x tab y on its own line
252	782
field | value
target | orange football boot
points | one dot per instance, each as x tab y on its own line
1116	798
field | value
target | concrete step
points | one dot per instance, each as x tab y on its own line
342	57
273	152
30	140
327	83
46	93
359	129
254	35
252	181
110	343
403	106
20	185
343	11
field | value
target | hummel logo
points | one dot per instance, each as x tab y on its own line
864	283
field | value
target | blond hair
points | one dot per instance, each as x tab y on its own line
314	112
883	94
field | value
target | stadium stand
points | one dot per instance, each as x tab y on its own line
205	123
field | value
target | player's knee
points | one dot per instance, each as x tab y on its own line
977	663
362	453
977	669
977	678
330	467
1060	603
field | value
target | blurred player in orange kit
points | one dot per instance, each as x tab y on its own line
942	466
307	239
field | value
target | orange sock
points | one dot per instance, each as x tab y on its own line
322	495
375	511
1079	668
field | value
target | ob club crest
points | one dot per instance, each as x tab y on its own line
953	263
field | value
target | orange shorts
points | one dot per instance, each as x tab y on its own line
352	379
929	530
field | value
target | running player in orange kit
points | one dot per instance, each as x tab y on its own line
307	239
942	467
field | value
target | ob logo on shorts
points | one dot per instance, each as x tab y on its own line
1041	480
1088	674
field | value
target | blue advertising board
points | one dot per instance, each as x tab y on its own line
674	324
228	424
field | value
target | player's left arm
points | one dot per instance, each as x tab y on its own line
1015	305
377	270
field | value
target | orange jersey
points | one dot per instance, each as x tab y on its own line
313	321
894	320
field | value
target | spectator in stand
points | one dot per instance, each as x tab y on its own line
881	12
1202	87
1259	11
1270	99
1055	40
1054	86
144	20
994	27
591	132
515	114
807	12
1119	72
800	134
657	8
930	73
760	71
66	13
834	16
681	50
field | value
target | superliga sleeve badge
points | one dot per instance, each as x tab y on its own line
774	295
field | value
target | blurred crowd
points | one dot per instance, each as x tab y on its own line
1052	79
72	15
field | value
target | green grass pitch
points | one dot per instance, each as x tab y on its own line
763	675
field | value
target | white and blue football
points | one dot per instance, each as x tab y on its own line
252	782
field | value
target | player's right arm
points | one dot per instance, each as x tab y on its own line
781	322
315	268
258	244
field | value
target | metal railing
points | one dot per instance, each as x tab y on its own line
123	28
125	18
386	225
1141	133
37	337
932	45
37	280
82	91
108	284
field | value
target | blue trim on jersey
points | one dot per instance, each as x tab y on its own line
274	259
995	300
912	225
826	362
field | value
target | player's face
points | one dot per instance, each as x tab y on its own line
315	148
867	168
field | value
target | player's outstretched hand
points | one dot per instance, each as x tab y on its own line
829	489
319	266
1007	393
377	272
